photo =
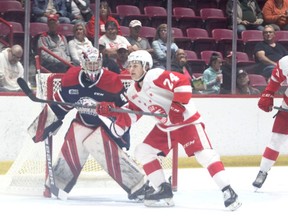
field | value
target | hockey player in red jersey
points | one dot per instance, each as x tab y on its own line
280	127
160	91
87	134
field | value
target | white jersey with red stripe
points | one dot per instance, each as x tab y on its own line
279	75
160	88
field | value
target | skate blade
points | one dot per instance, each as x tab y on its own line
234	205
168	202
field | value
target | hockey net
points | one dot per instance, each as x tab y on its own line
27	173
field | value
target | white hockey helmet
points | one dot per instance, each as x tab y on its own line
91	62
143	57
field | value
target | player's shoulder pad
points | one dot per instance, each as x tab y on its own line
110	82
71	77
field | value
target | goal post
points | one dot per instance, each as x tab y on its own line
27	173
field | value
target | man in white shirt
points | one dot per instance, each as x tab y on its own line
11	68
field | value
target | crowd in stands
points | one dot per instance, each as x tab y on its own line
265	16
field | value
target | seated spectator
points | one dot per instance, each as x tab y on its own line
160	48
11	68
275	14
79	43
104	18
122	58
78	10
243	84
134	38
41	9
111	40
55	42
212	76
268	52
180	64
249	15
107	62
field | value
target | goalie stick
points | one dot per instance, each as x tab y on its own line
23	85
48	153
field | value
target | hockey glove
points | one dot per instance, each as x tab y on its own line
266	101
104	109
176	113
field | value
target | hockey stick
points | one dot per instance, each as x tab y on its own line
23	85
48	153
280	109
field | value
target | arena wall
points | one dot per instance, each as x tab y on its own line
235	125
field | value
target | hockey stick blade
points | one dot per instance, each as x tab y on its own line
25	88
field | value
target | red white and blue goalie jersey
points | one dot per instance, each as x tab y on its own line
77	88
159	89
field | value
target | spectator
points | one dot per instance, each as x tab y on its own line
104	18
212	76
180	64
134	38
122	58
107	62
111	39
249	15
55	42
79	43
11	68
275	13
268	52
159	46
243	84
78	10
41	10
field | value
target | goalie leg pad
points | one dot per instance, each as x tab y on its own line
123	169
46	124
72	157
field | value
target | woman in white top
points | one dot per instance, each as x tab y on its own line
79	43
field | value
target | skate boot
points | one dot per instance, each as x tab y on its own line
260	179
163	197
140	193
230	198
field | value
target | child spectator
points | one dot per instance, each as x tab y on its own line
212	76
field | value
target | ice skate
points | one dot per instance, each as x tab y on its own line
260	179
231	199
140	193
159	198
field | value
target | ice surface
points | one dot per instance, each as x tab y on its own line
197	195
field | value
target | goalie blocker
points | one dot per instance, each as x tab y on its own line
81	141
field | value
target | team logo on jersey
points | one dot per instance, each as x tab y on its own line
158	109
73	91
86	106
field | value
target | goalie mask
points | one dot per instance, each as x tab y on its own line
144	58
91	63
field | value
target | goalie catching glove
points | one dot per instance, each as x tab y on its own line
176	113
45	125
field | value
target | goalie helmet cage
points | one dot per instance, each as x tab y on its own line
27	173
